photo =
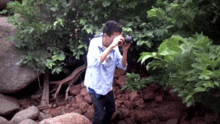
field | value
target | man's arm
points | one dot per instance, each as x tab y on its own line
125	47
124	58
106	52
115	43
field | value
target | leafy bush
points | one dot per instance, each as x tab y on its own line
45	33
191	66
46	29
133	17
188	17
134	82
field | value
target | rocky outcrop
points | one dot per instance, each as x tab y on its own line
8	105
69	118
13	78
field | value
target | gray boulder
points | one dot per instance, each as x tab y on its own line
3	3
8	105
3	120
31	112
68	118
43	116
27	121
13	78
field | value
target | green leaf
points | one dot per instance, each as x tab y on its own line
96	18
180	94
80	46
89	30
217	83
3	12
188	104
82	21
59	56
149	34
50	63
145	56
197	66
31	30
57	70
148	43
200	89
206	74
164	53
209	84
187	98
106	3
156	12
127	29
175	89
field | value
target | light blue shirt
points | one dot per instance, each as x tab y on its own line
99	75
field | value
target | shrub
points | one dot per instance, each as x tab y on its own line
191	65
46	34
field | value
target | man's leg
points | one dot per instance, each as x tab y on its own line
109	107
99	108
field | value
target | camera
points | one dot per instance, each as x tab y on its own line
129	39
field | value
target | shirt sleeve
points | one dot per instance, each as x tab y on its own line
93	55
119	60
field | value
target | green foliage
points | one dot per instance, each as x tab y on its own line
46	37
133	17
45	33
191	65
188	16
134	82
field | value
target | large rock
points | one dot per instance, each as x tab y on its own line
3	4
31	112
43	116
8	105
3	120
28	121
143	116
69	118
13	78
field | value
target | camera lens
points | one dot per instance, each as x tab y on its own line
128	39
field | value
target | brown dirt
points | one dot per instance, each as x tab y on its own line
151	105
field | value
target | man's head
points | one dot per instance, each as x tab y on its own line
111	30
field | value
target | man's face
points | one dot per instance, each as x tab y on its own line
109	40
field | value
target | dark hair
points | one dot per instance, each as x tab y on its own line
112	26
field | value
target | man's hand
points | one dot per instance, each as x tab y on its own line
118	41
126	46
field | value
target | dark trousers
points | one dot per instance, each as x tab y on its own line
104	106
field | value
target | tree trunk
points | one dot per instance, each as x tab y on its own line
45	94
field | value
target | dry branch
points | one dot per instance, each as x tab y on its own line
71	82
71	78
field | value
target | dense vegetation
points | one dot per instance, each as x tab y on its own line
179	36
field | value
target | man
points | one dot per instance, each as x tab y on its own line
102	59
